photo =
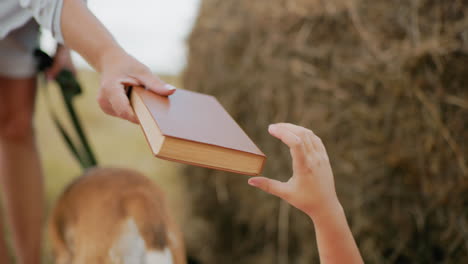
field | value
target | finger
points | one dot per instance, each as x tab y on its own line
295	144
285	135
318	144
121	105
307	135
304	133
129	81
298	130
156	85
105	105
277	188
53	71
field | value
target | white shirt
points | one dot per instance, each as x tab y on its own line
15	13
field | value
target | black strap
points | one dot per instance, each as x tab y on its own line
69	88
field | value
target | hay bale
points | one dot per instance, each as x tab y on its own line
384	83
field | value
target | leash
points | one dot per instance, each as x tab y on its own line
69	88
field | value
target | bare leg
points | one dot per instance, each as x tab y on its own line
20	171
4	254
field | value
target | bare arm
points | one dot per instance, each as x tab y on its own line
84	33
311	189
334	238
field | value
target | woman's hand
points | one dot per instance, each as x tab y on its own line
311	189
94	42
62	61
118	69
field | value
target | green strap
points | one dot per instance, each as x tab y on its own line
68	141
66	79
69	88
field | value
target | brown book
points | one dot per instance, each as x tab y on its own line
194	128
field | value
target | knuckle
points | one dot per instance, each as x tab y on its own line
103	83
105	106
286	195
325	158
143	70
102	101
321	160
108	111
317	139
303	133
266	187
309	166
312	162
125	115
298	142
118	111
106	85
123	112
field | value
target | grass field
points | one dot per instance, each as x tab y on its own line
116	143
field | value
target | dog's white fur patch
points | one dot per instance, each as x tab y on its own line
159	257
130	248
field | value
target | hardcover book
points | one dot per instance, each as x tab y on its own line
194	128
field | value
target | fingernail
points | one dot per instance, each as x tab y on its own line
252	182
271	128
169	87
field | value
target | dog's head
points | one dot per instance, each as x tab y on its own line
114	216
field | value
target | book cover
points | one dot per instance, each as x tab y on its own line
191	117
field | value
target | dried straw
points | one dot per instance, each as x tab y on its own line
384	83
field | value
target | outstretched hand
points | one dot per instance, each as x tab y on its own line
311	188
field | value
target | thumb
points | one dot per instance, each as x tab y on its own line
154	84
274	187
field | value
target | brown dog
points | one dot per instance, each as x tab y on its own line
114	216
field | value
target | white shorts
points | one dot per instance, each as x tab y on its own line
16	51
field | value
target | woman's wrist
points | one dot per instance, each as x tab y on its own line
107	56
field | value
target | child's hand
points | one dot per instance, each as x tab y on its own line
118	70
311	189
